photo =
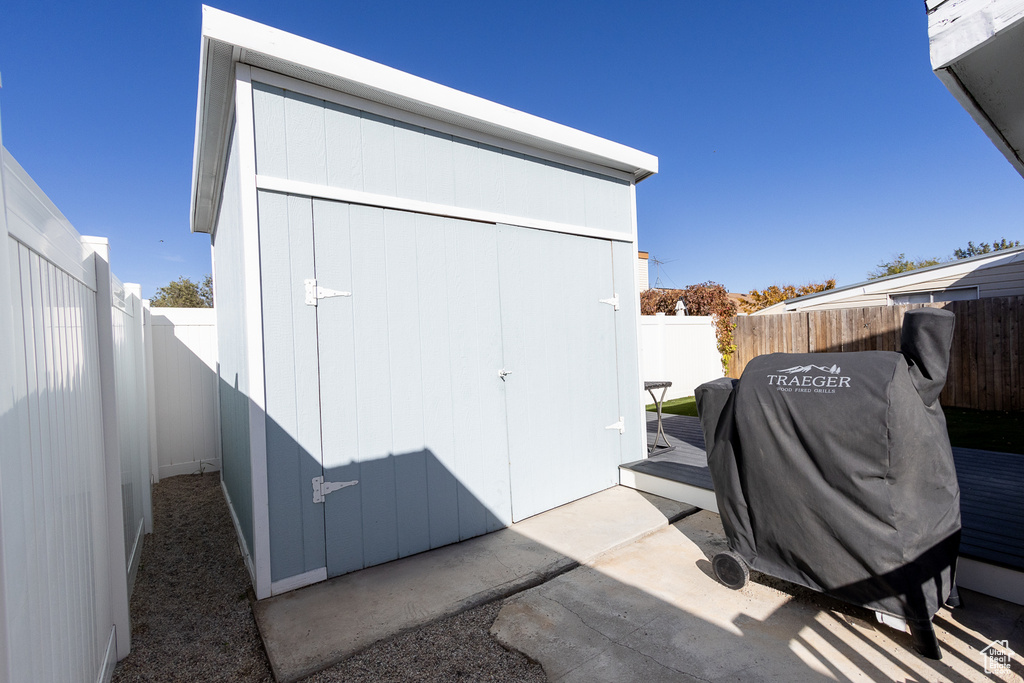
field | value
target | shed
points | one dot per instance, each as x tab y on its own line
427	306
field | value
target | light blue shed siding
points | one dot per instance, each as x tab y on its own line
292	381
236	468
311	140
627	351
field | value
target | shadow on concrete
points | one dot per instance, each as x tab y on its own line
652	612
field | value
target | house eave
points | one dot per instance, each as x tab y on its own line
977	51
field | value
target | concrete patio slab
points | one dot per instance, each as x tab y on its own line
653	611
312	628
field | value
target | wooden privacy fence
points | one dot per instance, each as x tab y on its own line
985	362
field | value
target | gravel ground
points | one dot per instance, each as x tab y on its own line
192	621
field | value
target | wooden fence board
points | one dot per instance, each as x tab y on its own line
984	340
986	357
1017	352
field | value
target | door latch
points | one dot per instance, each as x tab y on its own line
503	373
321	488
314	292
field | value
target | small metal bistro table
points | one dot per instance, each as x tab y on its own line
655	447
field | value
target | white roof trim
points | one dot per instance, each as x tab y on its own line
913	277
956	29
275	50
771	310
980	116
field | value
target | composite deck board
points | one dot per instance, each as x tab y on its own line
991	488
687	462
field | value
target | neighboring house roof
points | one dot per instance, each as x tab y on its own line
229	40
977	51
881	285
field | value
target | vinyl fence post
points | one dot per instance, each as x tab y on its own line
111	446
142	393
154	456
8	425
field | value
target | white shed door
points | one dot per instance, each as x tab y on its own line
410	400
558	334
468	381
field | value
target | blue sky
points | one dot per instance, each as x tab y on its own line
797	141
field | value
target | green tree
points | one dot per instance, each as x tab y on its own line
763	298
184	293
901	264
985	248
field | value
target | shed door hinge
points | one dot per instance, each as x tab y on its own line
321	488
620	425
613	302
315	293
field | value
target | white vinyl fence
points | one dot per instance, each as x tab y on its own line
74	444
184	367
681	349
128	342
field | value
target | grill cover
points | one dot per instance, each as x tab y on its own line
834	470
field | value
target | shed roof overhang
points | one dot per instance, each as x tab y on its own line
977	51
229	40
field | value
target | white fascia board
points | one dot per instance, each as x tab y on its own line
273	49
956	29
197	144
914	277
214	112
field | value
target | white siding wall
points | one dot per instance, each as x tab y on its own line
63	564
642	274
185	379
680	349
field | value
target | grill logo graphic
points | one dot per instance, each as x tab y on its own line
806	379
834	370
